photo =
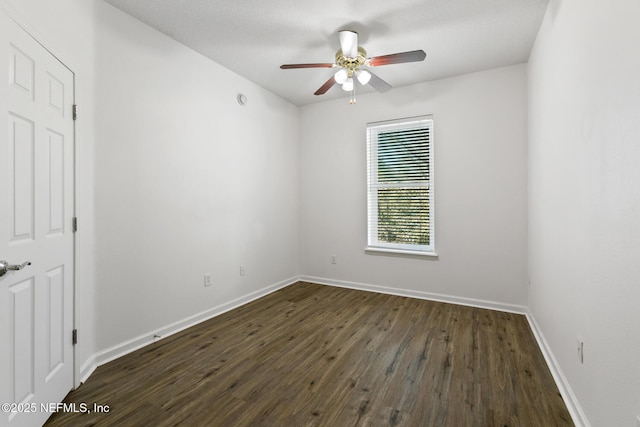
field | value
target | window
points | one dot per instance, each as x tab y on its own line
400	186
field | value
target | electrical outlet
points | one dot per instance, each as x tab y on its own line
580	350
333	259
207	280
243	272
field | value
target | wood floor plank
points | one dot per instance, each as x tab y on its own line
313	355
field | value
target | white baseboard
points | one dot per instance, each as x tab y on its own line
573	406
140	341
491	305
86	370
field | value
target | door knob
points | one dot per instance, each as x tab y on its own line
5	266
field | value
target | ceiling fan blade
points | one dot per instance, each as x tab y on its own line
378	84
325	87
349	43
398	58
319	65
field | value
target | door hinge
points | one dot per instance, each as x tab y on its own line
74	337
74	224
74	112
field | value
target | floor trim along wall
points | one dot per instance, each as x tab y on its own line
87	369
573	406
140	341
491	305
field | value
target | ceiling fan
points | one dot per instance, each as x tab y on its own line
352	61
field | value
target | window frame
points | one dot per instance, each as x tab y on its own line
374	245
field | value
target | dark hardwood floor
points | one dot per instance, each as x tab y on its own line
313	355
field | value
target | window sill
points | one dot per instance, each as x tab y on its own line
370	250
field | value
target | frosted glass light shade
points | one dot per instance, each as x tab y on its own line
341	76
364	76
348	85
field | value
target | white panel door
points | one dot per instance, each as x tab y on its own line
36	213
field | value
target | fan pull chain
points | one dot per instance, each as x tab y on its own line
353	95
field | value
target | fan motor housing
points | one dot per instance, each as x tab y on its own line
351	64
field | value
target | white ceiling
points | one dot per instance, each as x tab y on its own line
254	37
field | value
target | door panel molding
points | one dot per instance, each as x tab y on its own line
37	202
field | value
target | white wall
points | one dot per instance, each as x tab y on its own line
188	181
175	178
480	188
584	200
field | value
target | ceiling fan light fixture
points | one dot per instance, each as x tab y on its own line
349	60
348	85
341	76
363	77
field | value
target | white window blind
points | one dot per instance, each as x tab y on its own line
400	185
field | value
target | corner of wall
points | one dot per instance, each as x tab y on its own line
573	406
